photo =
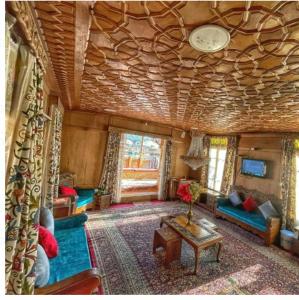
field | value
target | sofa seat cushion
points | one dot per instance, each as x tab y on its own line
73	256
86	196
254	219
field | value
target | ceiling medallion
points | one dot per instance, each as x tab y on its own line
209	38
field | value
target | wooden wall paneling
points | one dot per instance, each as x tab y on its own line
267	148
84	141
82	153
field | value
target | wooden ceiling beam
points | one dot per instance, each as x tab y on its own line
82	30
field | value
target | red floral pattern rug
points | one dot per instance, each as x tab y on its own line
121	246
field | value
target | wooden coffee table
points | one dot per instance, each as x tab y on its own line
197	235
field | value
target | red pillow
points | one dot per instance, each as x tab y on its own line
48	241
249	204
67	191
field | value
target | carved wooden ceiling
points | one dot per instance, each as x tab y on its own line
134	59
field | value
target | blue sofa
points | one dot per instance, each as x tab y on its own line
71	271
84	200
251	221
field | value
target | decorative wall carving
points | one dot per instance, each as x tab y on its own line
139	62
23	14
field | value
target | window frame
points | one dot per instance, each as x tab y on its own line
218	148
141	154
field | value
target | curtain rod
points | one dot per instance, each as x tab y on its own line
139	132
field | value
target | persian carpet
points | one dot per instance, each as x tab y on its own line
121	247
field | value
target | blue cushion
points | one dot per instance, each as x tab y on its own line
73	256
41	267
86	196
234	198
46	219
70	222
254	219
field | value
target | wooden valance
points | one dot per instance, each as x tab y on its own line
137	132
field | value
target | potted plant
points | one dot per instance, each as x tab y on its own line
103	198
189	193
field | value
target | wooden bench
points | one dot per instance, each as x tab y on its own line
171	242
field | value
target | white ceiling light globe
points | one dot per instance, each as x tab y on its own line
209	38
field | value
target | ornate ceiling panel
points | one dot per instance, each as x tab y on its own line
138	62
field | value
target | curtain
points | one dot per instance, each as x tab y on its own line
205	169
229	165
23	77
166	170
23	190
54	158
110	176
288	182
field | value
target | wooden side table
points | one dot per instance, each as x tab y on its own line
170	241
102	201
62	206
207	199
295	245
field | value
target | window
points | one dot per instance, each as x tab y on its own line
141	152
140	165
216	165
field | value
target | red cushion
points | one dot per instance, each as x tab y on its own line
249	204
48	241
67	191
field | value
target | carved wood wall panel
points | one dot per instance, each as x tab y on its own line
139	62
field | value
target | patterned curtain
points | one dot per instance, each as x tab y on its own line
23	191
205	169
288	182
54	158
165	174
229	165
110	176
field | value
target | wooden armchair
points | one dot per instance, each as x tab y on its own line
63	206
84	283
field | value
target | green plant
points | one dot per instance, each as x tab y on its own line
195	190
100	191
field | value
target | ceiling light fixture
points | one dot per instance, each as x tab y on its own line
209	38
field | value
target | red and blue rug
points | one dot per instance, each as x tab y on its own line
121	247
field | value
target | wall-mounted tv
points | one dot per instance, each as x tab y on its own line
254	167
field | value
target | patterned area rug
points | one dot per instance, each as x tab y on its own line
121	246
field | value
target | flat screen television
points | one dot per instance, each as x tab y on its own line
254	167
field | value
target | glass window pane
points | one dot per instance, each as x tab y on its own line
220	168
217	185
210	183
212	162
212	172
213	153
222	154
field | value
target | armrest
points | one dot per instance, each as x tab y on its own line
83	283
70	222
273	228
221	201
73	198
273	222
